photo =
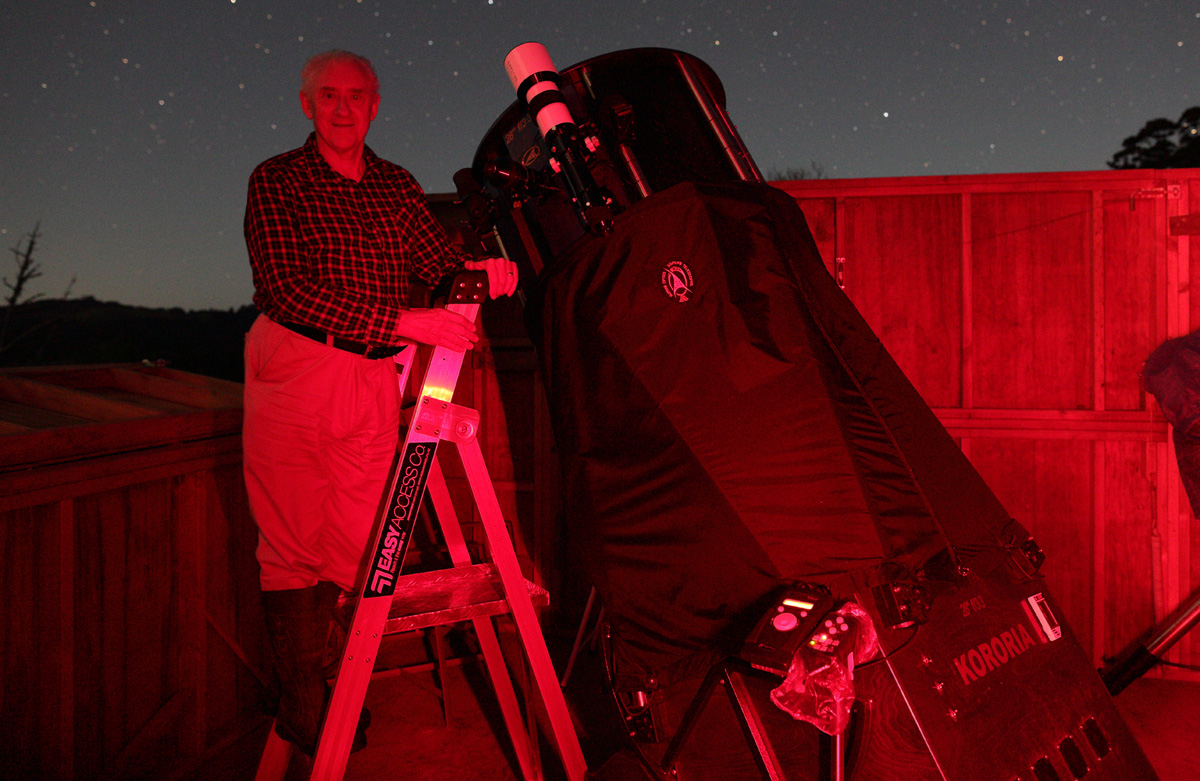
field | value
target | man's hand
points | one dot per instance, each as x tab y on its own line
438	327
443	328
502	275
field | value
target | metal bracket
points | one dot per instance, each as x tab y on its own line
445	420
1171	192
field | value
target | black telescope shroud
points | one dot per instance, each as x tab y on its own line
727	423
753	434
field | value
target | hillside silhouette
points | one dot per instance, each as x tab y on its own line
86	331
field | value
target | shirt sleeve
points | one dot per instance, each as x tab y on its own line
285	287
432	255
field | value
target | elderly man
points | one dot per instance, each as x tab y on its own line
335	235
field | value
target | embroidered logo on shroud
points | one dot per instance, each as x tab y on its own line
531	155
677	281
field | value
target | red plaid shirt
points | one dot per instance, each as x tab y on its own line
336	254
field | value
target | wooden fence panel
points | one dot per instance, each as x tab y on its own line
132	618
127	620
1126	595
899	277
1046	484
1031	299
1068	282
233	651
34	627
1132	296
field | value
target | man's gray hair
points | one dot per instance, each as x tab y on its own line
318	62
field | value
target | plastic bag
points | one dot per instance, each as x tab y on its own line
819	687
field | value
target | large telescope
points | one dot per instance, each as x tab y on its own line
729	427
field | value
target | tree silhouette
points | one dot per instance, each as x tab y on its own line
796	173
1162	143
27	270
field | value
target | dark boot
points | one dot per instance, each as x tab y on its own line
298	627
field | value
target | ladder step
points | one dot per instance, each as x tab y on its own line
445	596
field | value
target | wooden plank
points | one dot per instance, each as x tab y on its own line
70	401
1188	255
1127	590
1099	375
1178	307
1053	417
65	615
89	581
22	642
21	419
190	513
1131	296
1052	424
199	396
838	266
1100	552
110	514
39	448
1155	458
1182	252
967	259
224	392
508	396
228	388
547	498
236	659
1069	181
101	380
1169	321
1031	324
1173	582
902	270
67	481
8	428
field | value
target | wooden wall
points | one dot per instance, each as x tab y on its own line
131	631
1022	307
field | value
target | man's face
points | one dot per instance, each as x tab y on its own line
341	106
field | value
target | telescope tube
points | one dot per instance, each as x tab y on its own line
533	76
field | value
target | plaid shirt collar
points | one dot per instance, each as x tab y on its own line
320	169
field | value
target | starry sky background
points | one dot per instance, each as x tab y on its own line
129	128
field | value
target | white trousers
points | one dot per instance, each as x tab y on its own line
319	436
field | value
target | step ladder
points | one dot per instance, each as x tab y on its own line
389	602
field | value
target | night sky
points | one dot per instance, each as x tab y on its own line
130	128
